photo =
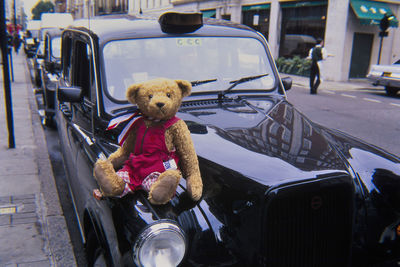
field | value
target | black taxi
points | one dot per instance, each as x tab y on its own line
50	68
279	189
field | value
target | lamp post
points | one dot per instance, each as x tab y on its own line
6	77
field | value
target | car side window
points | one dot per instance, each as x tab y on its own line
67	53
81	67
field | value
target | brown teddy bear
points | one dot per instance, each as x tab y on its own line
156	144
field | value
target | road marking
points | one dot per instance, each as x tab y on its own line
372	100
395	104
351	96
329	92
8	210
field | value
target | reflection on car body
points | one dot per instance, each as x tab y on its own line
279	190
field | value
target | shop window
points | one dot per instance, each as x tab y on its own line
257	17
226	17
209	13
302	24
119	6
101	7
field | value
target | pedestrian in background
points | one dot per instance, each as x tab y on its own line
316	54
16	41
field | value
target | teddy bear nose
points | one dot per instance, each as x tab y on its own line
160	105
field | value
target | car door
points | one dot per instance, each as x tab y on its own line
75	118
64	112
80	127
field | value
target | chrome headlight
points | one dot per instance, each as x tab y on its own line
160	244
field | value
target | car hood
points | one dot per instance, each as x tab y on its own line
251	151
265	139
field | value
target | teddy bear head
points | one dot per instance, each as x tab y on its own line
159	98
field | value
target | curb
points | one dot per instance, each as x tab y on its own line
54	224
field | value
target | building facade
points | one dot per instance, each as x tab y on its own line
89	8
349	28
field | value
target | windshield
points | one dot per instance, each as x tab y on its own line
56	47
226	59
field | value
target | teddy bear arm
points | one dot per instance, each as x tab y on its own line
189	163
118	158
104	169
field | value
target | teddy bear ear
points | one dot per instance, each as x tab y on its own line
185	86
132	91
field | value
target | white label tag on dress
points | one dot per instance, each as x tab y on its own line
170	165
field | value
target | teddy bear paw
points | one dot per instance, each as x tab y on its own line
164	189
97	194
195	191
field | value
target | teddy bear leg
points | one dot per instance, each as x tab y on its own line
110	183
165	187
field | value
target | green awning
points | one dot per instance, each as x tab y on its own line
371	12
209	13
256	7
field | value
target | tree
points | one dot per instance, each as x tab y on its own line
42	7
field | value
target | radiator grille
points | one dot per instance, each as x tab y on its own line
309	224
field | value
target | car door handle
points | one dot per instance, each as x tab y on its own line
66	111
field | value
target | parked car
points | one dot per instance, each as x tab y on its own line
387	76
31	38
50	68
30	46
279	189
35	62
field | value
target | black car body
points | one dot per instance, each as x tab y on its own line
50	67
279	190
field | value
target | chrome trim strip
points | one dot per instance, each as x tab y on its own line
85	137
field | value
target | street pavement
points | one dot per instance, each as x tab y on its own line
33	229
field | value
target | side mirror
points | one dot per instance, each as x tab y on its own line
69	94
287	83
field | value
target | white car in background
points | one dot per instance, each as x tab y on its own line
387	76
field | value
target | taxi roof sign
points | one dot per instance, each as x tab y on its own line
176	22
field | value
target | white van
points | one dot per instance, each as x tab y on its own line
54	20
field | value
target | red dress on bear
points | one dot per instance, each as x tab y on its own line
150	158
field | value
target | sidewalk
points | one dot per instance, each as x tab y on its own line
353	84
33	230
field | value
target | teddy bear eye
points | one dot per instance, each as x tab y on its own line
169	95
150	96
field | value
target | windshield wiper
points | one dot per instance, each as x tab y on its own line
195	83
241	80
